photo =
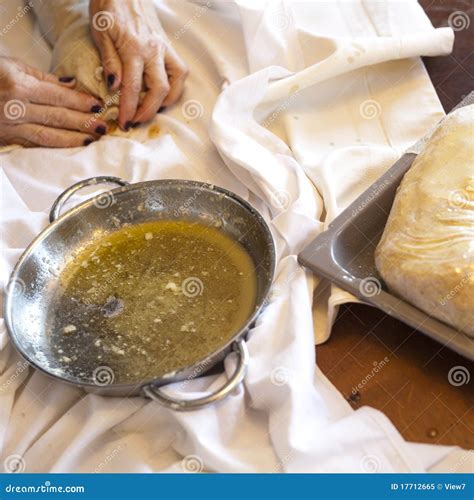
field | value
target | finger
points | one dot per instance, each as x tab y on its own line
8	137
51	137
65	80
177	73
64	118
57	95
130	91
110	61
156	81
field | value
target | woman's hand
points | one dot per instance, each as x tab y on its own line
38	109
136	54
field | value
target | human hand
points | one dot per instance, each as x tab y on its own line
38	109
136	55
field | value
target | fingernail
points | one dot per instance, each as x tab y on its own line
135	125
110	80
66	79
161	109
128	125
96	108
101	130
88	141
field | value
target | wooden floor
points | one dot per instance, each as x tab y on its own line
413	387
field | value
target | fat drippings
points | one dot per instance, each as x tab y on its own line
150	299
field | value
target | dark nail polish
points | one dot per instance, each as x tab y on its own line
161	109
96	108
110	80
128	125
66	79
101	130
136	124
88	141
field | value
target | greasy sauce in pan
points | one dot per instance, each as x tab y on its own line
149	299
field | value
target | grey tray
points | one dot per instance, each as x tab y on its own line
344	254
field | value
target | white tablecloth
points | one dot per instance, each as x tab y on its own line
319	99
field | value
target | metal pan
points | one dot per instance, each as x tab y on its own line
30	299
344	254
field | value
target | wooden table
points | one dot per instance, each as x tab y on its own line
412	388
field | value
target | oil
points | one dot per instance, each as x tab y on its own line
150	299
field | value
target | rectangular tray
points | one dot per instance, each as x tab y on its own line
344	254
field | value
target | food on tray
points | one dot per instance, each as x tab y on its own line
149	298
426	254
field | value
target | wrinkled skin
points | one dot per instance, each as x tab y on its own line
37	109
136	55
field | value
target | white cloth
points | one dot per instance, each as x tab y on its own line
306	71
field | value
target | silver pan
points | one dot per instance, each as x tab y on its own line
30	302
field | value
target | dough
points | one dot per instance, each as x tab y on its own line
426	254
67	29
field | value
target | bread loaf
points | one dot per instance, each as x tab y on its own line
426	253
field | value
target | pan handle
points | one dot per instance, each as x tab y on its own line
92	181
159	396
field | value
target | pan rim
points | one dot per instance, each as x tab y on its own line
180	373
